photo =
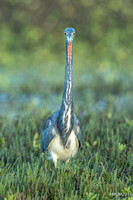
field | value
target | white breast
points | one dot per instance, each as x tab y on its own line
57	150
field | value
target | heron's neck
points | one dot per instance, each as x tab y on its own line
65	120
68	85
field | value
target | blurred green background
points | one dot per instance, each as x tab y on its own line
32	53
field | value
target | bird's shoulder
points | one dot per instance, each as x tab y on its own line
51	120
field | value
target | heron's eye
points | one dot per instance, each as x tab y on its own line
73	34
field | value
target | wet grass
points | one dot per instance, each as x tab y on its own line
104	105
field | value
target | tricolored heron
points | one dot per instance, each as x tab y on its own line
61	135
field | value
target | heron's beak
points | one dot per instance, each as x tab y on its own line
69	38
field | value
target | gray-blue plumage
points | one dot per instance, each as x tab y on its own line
61	134
48	134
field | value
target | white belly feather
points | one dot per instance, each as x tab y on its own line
57	150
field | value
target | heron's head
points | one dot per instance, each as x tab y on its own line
69	34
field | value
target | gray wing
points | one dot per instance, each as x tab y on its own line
47	133
77	130
46	139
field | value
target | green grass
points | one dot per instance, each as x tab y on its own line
103	103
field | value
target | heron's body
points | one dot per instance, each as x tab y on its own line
57	151
61	134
